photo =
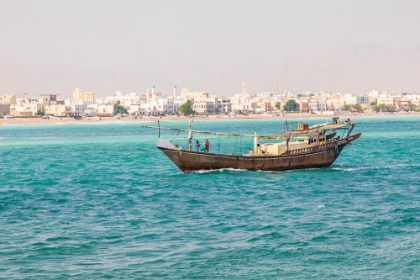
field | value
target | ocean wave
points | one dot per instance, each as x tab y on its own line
116	207
373	167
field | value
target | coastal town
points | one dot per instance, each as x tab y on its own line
156	103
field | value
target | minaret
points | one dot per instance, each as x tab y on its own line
147	96
174	92
244	88
153	92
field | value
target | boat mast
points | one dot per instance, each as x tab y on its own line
255	142
190	133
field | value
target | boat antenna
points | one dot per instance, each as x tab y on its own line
158	129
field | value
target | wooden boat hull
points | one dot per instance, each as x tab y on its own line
313	157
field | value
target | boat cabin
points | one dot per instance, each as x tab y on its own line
280	148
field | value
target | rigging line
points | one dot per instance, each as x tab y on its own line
251	144
199	131
290	133
342	134
176	135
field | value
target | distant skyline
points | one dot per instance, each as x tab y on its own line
51	47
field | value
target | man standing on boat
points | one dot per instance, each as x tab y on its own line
197	145
207	145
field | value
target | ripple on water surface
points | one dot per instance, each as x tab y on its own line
100	201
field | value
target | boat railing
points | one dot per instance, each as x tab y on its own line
321	147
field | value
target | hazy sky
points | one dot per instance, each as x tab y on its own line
215	46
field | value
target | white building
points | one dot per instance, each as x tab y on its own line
157	103
317	105
241	102
225	106
91	109
385	100
124	99
350	99
373	93
105	110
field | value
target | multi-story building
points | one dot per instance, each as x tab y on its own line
321	95
57	110
125	99
7	99
160	105
203	103
91	109
405	104
317	105
415	102
4	109
241	102
157	103
350	99
26	109
384	98
172	108
263	102
48	99
335	102
84	96
225	106
373	93
105	110
204	107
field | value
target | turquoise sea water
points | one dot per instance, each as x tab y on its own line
90	201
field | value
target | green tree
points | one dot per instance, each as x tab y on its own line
413	107
277	105
358	107
291	105
373	103
119	109
382	107
392	108
39	113
186	108
376	108
347	107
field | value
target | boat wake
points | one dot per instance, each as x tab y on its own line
222	170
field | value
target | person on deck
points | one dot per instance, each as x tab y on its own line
197	145
207	145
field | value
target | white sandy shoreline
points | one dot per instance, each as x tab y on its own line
289	116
